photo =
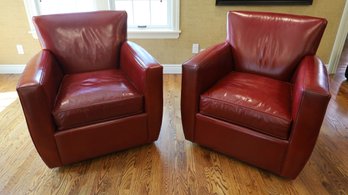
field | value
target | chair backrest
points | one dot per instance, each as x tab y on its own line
83	42
272	44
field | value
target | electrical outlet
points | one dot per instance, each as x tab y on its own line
20	49
195	48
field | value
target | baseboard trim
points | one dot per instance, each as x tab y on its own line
172	69
19	68
11	68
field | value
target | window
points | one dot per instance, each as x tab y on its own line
156	18
145	13
146	18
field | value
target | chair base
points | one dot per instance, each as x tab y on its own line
90	141
252	147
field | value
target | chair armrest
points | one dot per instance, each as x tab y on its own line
147	76
37	90
311	96
198	75
310	78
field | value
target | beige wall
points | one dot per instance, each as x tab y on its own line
14	30
204	23
200	22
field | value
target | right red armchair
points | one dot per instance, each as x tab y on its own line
262	95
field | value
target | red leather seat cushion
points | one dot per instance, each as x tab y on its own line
260	103
91	97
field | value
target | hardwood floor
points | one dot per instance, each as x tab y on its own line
171	165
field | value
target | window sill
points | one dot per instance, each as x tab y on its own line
153	34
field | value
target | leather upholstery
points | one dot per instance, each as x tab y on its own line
242	143
236	98
78	94
37	89
96	37
146	74
198	75
265	50
88	142
91	97
262	95
311	95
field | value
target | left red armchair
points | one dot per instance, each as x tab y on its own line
89	91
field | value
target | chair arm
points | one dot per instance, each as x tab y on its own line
37	90
198	75
147	76
310	99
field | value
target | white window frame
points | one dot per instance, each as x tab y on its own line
31	11
150	33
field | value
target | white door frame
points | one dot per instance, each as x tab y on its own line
339	41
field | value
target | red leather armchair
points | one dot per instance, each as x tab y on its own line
262	95
89	92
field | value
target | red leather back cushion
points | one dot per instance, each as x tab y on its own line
83	42
272	44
